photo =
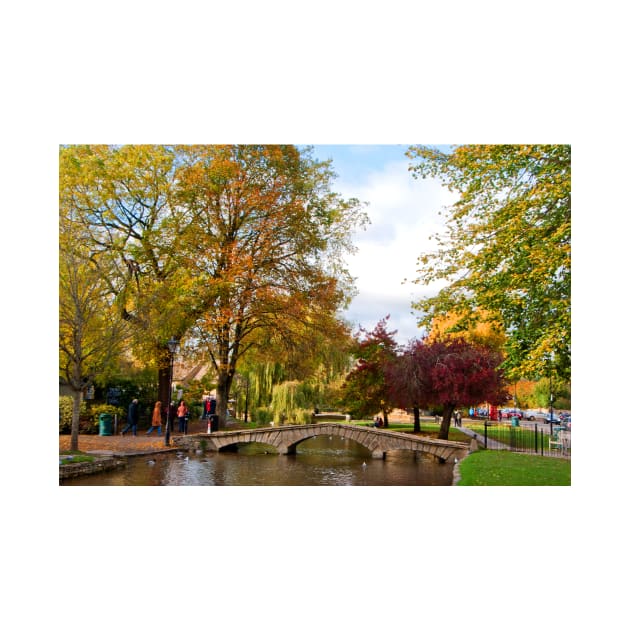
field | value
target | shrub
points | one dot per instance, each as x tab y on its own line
304	416
88	417
65	413
262	416
196	410
91	425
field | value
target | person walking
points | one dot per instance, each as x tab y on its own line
133	415
182	412
156	420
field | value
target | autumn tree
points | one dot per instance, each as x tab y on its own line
366	389
122	196
221	247
90	332
507	247
481	329
449	373
265	251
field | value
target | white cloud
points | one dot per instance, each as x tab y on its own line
404	213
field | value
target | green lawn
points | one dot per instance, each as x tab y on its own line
504	468
73	457
428	428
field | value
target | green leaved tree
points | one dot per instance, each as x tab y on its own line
91	333
506	251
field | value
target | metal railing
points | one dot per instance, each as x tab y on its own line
547	441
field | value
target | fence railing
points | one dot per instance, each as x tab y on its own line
547	441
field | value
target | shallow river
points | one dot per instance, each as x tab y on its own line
319	461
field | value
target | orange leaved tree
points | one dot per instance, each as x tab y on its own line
263	244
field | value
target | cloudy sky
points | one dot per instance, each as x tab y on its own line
403	212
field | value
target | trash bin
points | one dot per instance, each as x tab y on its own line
515	421
214	422
105	424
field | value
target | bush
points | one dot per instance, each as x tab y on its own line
304	416
261	416
92	424
65	413
196	410
88	418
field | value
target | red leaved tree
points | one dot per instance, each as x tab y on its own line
365	390
451	373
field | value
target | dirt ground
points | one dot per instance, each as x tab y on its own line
127	443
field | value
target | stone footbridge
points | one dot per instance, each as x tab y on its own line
286	438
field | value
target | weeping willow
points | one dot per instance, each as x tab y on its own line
289	403
262	379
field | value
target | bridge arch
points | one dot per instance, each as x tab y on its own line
357	438
285	439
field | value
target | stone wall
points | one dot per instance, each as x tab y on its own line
87	468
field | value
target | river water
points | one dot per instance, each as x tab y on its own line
319	461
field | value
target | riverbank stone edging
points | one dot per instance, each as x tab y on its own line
105	460
100	464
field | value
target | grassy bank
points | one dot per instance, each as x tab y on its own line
504	468
73	457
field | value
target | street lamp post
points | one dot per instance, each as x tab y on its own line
551	357
173	347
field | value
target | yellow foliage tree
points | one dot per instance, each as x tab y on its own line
481	330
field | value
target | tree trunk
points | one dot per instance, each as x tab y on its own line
76	411
385	419
446	421
246	398
416	420
224	384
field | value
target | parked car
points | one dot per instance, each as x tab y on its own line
565	420
537	416
509	412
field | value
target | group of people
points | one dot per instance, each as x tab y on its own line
133	415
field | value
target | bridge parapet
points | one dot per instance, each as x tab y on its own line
286	438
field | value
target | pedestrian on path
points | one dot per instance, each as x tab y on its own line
182	412
156	420
133	415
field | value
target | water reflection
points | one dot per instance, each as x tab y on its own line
320	461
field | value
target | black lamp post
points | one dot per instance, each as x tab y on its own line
173	347
551	357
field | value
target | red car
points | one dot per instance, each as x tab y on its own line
509	412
